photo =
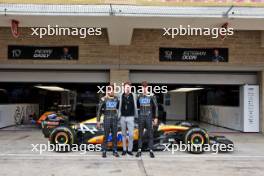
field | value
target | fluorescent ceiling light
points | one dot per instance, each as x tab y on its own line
52	88
186	89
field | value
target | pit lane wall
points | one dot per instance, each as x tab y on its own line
12	114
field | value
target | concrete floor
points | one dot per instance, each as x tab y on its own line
16	158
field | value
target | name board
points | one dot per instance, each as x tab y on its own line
194	54
43	52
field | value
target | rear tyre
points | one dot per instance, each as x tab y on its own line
196	139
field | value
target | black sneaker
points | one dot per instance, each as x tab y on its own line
104	154
115	153
138	154
124	153
151	154
130	153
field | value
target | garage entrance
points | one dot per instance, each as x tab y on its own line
78	98
23	93
213	104
216	98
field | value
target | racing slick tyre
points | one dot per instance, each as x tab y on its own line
62	138
196	139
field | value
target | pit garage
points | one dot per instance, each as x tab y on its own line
222	99
26	95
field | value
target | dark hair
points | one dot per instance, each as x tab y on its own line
144	83
110	87
127	83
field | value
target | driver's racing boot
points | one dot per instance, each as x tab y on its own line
151	154
104	154
138	153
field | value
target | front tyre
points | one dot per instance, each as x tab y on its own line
196	139
63	138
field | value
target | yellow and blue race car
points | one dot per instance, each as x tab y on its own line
61	131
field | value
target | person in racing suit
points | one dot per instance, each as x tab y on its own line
108	106
146	102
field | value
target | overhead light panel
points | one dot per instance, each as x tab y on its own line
52	88
187	89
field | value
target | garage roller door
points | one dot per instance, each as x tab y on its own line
232	78
55	76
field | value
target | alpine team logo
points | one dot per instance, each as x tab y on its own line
14	28
111	104
144	101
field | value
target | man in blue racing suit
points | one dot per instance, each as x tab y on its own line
146	102
108	106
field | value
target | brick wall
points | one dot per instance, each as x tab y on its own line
92	50
119	76
244	47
